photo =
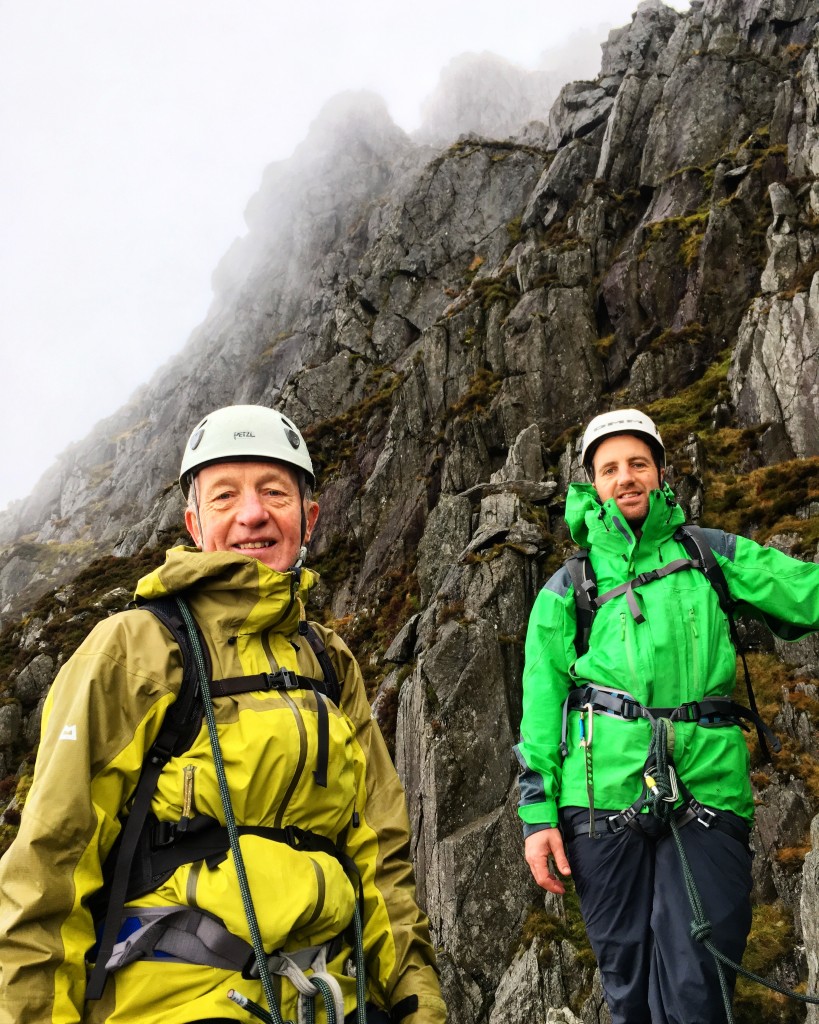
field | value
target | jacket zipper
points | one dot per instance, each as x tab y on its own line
629	647
188	799
692	618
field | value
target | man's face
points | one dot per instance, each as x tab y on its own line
624	469
253	508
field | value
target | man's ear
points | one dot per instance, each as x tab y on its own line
192	527
311	512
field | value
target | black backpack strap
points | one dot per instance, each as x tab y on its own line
695	541
331	684
584	585
175	735
284	679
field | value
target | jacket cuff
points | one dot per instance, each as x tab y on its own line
529	830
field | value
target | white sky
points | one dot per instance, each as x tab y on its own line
133	134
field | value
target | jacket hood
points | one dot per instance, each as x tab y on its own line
249	592
590	520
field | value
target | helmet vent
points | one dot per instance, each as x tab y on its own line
196	438
292	437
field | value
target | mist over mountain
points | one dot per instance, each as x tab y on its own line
441	314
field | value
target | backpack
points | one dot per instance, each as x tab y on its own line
700	557
147	851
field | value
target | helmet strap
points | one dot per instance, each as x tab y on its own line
196	513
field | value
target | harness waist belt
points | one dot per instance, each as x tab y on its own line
690	810
185	935
203	838
710	711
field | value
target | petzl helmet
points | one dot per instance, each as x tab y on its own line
620	421
244	433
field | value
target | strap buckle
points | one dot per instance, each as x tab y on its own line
294	836
688	712
704	813
284	679
631	709
163	834
646	577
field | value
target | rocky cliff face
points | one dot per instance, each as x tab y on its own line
441	322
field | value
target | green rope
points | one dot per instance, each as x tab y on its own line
329	1004
360	968
274	1015
662	796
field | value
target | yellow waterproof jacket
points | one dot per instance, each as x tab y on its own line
102	714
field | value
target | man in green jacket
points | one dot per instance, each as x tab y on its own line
311	895
659	646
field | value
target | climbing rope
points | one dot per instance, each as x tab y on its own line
661	783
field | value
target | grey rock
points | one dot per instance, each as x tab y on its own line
445	537
33	681
579	109
774	375
560	182
809	902
10	721
33	723
402	647
637	47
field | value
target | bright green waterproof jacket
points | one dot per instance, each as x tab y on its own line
100	718
681	652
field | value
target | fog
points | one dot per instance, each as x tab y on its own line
134	134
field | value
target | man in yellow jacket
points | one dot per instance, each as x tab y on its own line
276	843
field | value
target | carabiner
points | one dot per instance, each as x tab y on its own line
586	740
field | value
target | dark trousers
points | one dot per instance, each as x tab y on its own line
638	917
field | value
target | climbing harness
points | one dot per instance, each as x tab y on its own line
710	712
149	851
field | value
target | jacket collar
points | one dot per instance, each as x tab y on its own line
237	593
597	524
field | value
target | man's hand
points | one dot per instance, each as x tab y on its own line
539	847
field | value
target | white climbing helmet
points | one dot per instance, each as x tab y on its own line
620	421
244	433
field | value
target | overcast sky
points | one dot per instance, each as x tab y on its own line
135	131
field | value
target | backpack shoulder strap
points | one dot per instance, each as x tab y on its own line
696	543
331	683
584	586
175	735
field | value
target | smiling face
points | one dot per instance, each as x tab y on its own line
624	469
252	508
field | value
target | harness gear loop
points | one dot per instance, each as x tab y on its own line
320	983
586	743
